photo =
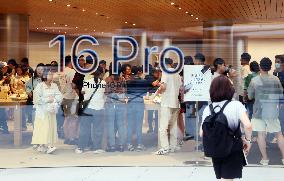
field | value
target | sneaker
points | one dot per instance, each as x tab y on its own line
174	149
41	148
35	147
111	149
188	137
78	151
99	151
121	148
50	149
162	151
130	147
140	147
264	162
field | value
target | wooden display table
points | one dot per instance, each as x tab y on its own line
16	104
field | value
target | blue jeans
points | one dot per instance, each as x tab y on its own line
116	114
190	122
135	113
27	112
150	120
3	119
86	123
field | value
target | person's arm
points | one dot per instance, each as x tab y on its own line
248	131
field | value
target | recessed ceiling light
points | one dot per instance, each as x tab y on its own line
179	8
65	32
45	29
133	24
196	18
37	28
68	5
76	27
186	12
94	30
191	15
97	13
83	10
125	22
40	20
50	0
59	31
66	25
54	23
172	3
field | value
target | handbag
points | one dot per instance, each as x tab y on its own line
85	104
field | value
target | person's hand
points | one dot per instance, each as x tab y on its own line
246	146
50	99
30	95
156	83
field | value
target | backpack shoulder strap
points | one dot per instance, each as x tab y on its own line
226	103
211	109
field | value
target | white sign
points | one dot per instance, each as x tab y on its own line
197	81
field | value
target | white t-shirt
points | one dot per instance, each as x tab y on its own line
233	111
66	84
98	100
173	82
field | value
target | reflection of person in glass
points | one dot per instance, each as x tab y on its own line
47	99
266	89
170	106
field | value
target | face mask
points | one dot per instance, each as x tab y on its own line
277	65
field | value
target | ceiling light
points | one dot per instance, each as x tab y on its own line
37	28
83	10
59	31
191	15
94	30
196	18
125	22
68	5
54	23
66	25
133	24
76	27
186	12
97	13
65	32
50	0
179	8
107	17
45	29
102	32
40	20
172	3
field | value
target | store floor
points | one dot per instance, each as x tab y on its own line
134	174
64	156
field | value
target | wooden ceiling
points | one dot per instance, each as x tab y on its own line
101	17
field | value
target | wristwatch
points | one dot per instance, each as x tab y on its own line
247	140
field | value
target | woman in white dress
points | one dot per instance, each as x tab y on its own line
47	99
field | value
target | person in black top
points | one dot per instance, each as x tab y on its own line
78	80
279	72
136	89
153	80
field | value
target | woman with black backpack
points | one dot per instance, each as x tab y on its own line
222	137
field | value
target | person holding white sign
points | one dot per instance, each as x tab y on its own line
170	86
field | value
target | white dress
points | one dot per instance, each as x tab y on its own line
45	126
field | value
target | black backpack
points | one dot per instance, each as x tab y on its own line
218	138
